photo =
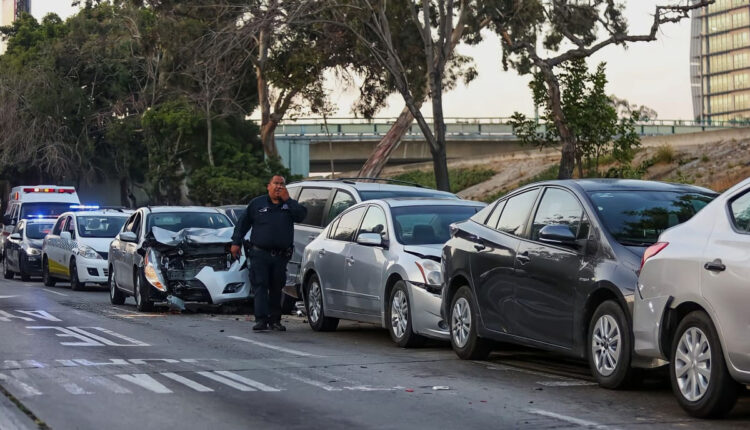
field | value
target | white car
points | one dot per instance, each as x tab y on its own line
76	248
692	304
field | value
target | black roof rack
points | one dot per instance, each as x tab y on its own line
350	180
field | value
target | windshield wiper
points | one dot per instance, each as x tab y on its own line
634	243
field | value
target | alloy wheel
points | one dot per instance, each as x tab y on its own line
692	364
112	286
606	345
137	290
315	301
399	313
461	322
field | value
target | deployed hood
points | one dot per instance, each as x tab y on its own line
432	250
100	244
192	236
36	243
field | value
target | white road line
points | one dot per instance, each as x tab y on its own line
572	420
106	383
146	381
313	382
54	292
32	363
246	381
277	348
226	381
187	382
74	388
27	389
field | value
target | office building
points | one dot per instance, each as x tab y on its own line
9	11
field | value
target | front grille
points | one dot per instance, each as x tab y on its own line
105	272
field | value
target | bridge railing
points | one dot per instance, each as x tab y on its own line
489	127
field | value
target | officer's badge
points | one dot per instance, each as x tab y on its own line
285	207
263	210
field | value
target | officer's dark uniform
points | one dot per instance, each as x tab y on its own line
271	245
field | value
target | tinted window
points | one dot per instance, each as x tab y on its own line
637	218
558	207
38	230
374	222
516	212
741	212
58	226
33	210
424	225
348	224
176	221
481	216
377	194
314	199
495	216
100	226
341	202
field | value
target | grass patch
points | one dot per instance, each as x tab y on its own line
548	174
664	154
705	158
460	179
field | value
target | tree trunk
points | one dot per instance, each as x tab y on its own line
439	158
383	150
266	124
125	192
567	139
209	138
268	139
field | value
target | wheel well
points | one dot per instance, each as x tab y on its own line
672	319
305	279
457	282
597	298
395	277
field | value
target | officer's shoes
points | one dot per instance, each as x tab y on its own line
261	326
277	326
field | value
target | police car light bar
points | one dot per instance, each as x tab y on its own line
89	207
50	190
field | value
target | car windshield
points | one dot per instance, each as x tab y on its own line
46	210
176	221
386	194
38	230
100	226
425	225
637	218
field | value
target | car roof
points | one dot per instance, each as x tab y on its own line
589	185
101	212
40	220
232	207
427	201
161	209
367	186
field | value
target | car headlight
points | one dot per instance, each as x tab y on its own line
151	271
32	251
430	271
86	252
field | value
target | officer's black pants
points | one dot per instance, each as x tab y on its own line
267	277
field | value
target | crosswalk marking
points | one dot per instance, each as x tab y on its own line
109	385
246	381
226	381
27	389
145	381
187	382
314	383
274	347
74	388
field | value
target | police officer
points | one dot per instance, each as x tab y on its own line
272	217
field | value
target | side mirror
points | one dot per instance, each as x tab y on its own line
7	220
15	236
128	236
558	234
370	239
65	235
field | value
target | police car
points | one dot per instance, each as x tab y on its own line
36	201
76	248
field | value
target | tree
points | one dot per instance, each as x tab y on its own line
626	109
570	30
590	114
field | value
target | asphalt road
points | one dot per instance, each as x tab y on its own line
71	360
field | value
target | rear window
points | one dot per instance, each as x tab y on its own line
45	210
38	230
426	225
386	194
100	226
176	221
637	218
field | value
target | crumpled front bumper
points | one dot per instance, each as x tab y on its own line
425	315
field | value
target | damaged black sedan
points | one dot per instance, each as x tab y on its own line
174	255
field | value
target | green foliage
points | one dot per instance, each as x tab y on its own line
460	179
590	115
665	154
705	159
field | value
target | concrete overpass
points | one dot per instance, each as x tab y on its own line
310	145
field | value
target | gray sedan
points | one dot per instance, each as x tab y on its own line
692	304
379	262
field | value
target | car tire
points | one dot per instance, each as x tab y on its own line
610	347
22	268
75	283
7	273
142	297
720	392
116	297
315	314
47	279
398	318
287	303
463	320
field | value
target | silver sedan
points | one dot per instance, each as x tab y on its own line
379	262
692	304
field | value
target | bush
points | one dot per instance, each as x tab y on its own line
460	179
664	154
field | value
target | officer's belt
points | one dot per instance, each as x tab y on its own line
273	251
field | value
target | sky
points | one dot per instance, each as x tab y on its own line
655	74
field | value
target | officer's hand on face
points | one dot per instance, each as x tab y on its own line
284	194
235	251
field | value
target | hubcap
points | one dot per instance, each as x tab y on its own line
461	322
314	301
112	284
692	364
137	290
399	313
605	345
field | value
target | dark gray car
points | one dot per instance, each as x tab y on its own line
554	265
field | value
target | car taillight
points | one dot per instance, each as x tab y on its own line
653	250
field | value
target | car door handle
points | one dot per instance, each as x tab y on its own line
322	252
523	258
479	246
715	266
349	260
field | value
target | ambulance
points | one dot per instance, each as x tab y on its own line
36	201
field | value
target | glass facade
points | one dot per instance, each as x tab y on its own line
720	61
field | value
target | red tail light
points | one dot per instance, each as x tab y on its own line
653	250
